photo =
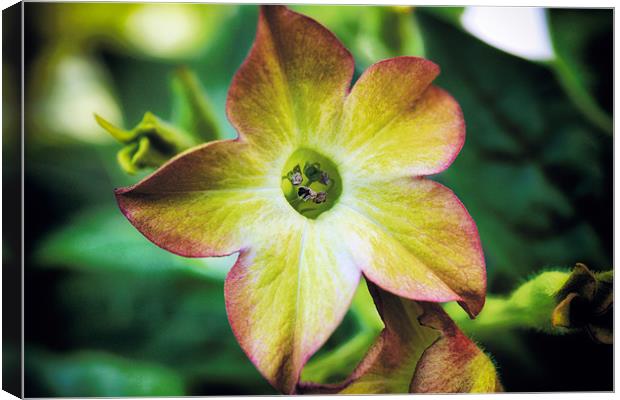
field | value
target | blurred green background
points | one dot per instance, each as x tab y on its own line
110	314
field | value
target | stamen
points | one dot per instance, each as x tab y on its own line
320	197
324	178
310	183
305	193
295	176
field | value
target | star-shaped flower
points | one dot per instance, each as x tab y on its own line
360	206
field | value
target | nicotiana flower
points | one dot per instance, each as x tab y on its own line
324	183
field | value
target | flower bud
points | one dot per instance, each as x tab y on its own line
151	143
586	302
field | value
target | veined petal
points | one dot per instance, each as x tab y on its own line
389	365
420	350
396	124
385	260
453	364
423	245
207	201
286	295
292	85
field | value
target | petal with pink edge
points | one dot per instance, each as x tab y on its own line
395	123
417	241
420	350
208	201
292	85
287	294
453	364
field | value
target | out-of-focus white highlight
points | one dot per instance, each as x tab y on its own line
77	91
522	31
165	30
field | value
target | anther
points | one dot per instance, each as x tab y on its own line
295	176
324	178
305	193
320	197
310	183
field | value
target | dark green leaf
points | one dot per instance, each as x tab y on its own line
530	163
101	374
102	239
583	44
371	33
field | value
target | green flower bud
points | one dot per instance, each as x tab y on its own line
556	302
586	302
148	145
153	142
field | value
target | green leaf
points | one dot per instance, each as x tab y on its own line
174	319
370	33
191	109
447	14
101	374
101	239
65	87
531	167
583	44
159	31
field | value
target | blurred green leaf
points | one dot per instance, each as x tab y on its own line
583	44
447	14
191	109
102	239
529	160
65	86
138	300
101	374
160	31
138	79
370	33
174	319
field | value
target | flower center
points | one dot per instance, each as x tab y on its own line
310	183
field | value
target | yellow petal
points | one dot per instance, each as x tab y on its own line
396	124
291	87
417	240
286	295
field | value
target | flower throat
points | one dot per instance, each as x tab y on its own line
310	183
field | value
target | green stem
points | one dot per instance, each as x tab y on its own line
530	306
336	365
